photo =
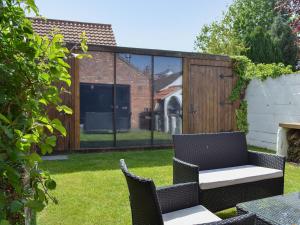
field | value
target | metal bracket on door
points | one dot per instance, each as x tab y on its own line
222	76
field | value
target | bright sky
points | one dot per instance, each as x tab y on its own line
157	24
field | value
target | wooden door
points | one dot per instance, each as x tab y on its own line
208	107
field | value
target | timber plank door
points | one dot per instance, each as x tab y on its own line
208	85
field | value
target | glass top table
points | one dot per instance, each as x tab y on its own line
277	210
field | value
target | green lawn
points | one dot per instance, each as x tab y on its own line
130	138
92	190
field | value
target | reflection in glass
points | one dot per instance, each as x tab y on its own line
134	87
133	100
96	100
167	98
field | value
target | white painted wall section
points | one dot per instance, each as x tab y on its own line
270	102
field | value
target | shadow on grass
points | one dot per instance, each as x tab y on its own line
109	161
123	143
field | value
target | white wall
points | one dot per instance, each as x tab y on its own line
270	102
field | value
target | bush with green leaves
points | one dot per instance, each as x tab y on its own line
246	70
31	69
241	117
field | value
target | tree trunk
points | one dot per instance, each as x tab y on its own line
26	183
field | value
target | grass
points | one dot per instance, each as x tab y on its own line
92	190
130	138
258	149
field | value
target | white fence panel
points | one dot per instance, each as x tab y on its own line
270	102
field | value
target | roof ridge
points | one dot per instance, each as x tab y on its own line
69	21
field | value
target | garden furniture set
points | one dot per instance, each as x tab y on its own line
211	172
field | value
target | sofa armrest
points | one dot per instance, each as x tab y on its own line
266	160
184	172
179	196
247	219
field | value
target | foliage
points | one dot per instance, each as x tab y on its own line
251	28
260	46
278	44
284	41
240	69
31	66
241	117
246	15
291	10
263	71
219	38
228	35
246	71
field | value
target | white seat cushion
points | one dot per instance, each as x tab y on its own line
189	216
215	178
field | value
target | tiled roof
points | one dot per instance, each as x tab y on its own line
162	94
165	81
97	34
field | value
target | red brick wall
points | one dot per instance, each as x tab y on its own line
99	69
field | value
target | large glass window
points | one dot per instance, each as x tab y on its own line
96	100
167	98
133	99
129	100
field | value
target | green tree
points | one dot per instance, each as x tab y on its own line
284	41
246	15
230	34
219	38
260	46
251	28
31	66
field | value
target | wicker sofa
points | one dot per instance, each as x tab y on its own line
226	171
172	205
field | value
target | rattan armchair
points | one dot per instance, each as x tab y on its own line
171	205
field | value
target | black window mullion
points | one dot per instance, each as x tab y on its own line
182	97
152	100
115	100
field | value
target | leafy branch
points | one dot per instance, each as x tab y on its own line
32	68
245	70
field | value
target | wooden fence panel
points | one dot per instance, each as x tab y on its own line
70	122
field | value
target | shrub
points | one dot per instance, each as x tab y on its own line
31	67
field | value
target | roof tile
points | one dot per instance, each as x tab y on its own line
162	94
98	34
